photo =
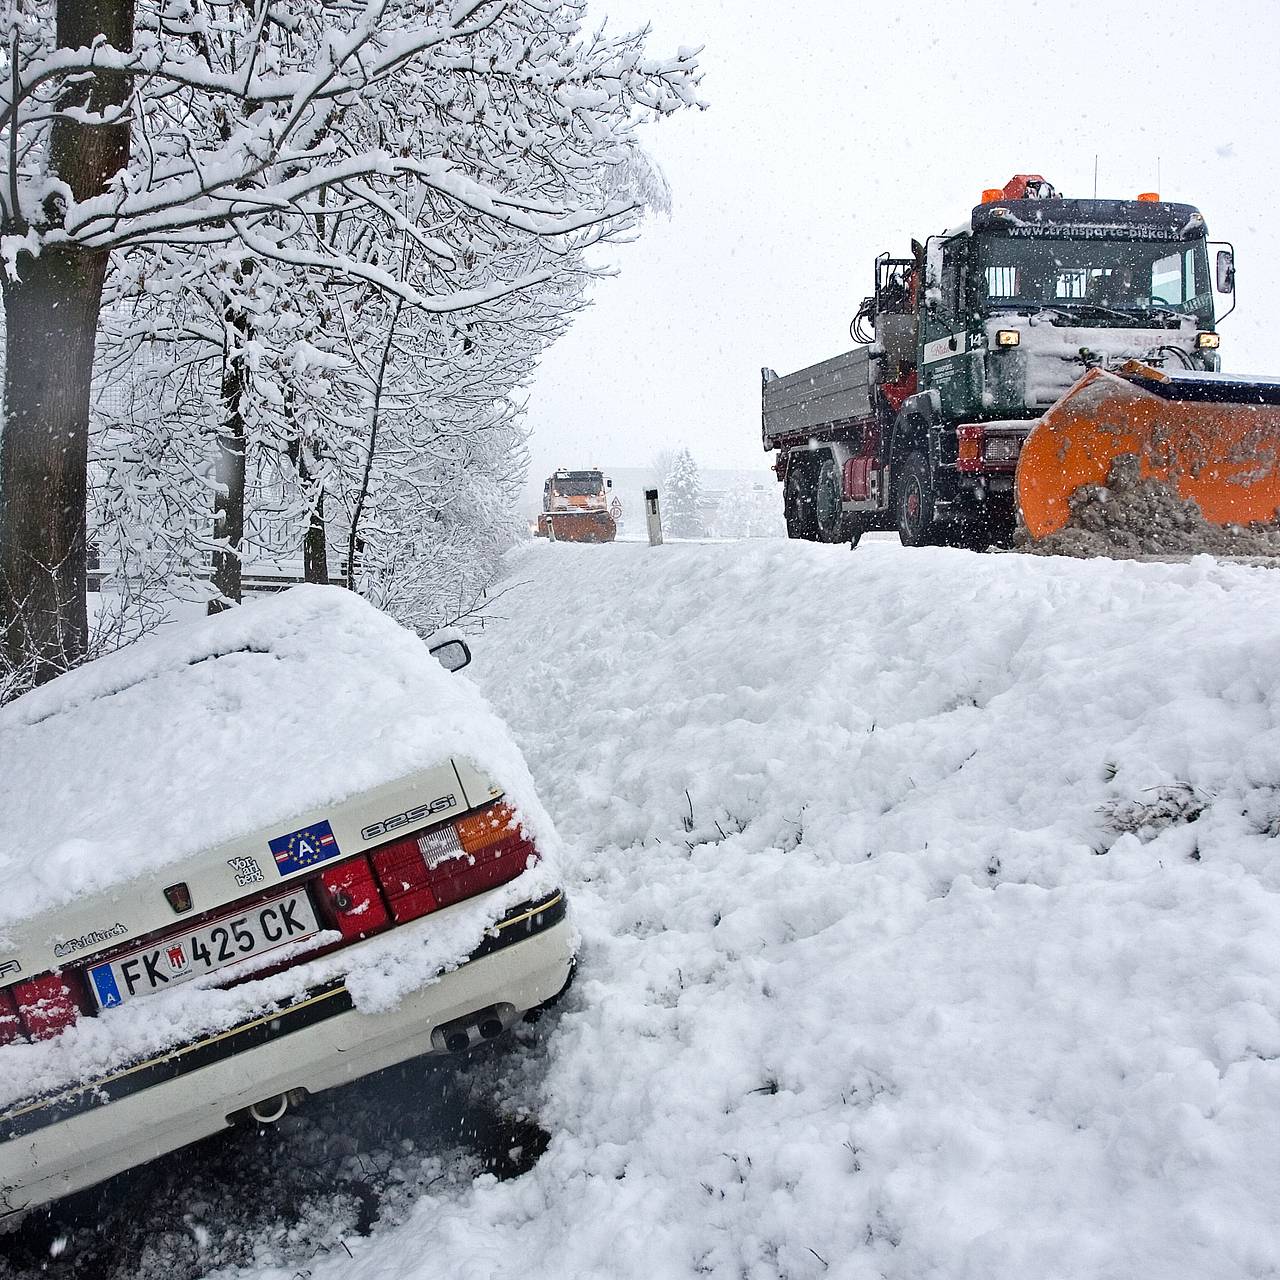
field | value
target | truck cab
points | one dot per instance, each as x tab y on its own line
576	491
1033	292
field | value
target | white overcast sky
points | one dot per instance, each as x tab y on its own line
836	129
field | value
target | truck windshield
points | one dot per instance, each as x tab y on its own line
580	485
1120	275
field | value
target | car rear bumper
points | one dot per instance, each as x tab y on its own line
54	1146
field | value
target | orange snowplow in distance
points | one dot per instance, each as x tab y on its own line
575	508
1213	436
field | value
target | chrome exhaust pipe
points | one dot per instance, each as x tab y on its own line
269	1110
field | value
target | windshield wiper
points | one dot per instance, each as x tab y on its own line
1071	309
1167	311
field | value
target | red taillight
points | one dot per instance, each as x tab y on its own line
448	863
46	1004
353	900
494	850
969	457
10	1025
402	872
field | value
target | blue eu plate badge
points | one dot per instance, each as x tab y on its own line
104	982
301	849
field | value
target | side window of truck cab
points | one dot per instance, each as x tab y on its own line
950	306
945	278
949	364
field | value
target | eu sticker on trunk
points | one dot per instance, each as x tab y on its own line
255	932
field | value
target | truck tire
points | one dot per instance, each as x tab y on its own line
914	504
828	497
797	504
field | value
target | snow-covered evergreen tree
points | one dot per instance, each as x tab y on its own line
682	496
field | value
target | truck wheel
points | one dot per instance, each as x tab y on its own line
797	504
828	498
914	505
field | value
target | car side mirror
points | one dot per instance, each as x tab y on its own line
451	654
1225	271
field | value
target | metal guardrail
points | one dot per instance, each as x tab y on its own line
257	582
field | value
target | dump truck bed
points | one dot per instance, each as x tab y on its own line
812	401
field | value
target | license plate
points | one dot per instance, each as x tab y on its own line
262	928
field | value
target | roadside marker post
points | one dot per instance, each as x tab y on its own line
653	517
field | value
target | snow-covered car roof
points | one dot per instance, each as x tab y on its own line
210	730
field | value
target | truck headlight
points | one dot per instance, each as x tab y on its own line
1001	449
1008	337
1207	341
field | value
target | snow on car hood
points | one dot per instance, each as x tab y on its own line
209	731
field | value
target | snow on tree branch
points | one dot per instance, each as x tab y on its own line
239	112
343	238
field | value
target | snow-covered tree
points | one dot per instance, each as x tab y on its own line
299	130
449	461
682	496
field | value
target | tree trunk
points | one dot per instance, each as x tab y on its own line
51	321
228	502
355	543
51	317
315	548
315	551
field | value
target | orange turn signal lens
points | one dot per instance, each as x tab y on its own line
969	448
480	830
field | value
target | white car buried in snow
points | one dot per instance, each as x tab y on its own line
248	859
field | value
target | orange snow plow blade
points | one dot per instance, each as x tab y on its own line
577	526
1215	436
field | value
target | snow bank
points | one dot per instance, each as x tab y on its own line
214	729
931	920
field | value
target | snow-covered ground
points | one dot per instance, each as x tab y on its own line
930	921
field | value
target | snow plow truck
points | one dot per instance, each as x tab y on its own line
1008	361
575	508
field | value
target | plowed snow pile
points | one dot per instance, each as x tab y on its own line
1130	517
931	916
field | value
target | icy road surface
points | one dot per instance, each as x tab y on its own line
930	921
